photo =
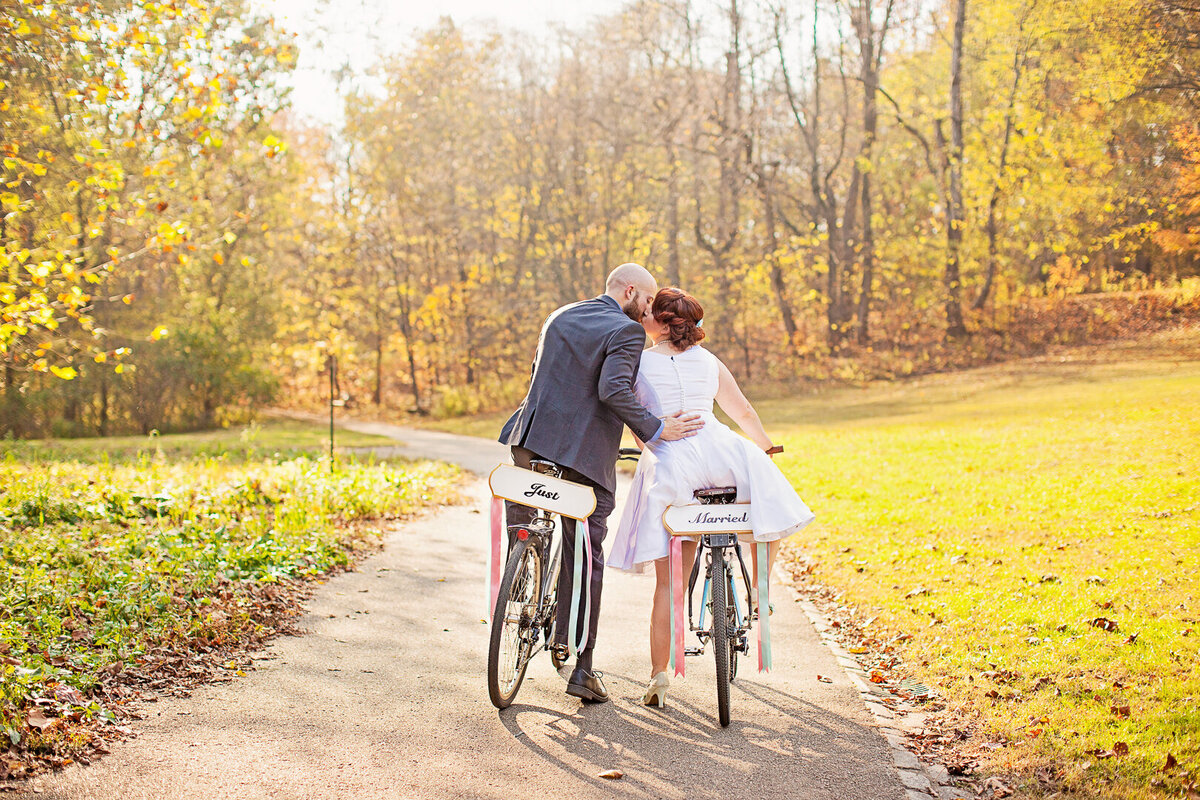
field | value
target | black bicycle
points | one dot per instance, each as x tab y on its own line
728	621
523	621
527	602
724	620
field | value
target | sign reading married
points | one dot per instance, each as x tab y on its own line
693	520
534	489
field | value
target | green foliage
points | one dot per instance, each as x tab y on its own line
273	438
138	178
104	561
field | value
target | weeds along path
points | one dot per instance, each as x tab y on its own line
385	697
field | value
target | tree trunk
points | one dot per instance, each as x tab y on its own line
954	212
778	285
102	412
868	265
994	202
377	393
870	48
12	422
406	329
674	277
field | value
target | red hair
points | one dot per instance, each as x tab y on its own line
681	313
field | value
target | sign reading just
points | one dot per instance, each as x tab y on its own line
533	489
693	520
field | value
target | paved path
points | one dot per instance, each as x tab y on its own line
385	698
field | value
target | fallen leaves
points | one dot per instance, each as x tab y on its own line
1118	750
611	774
1103	623
994	789
38	719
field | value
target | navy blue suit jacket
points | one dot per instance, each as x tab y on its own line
581	391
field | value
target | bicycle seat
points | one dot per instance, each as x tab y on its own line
720	495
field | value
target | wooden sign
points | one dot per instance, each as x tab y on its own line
536	490
694	520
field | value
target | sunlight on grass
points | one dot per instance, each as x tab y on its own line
271	438
993	515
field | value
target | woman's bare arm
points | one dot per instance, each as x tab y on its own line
734	403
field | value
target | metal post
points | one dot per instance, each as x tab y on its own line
332	389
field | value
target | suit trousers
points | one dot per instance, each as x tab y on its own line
593	572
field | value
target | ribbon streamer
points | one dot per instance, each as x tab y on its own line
764	610
675	565
577	641
494	579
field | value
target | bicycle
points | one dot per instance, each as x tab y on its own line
729	623
524	604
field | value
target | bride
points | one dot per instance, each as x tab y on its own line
677	374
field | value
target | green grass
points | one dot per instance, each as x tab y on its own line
110	553
992	515
485	426
271	438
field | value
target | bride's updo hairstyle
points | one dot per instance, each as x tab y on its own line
681	313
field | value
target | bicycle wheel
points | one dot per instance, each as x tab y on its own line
721	640
734	638
511	643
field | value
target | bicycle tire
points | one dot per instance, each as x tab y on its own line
721	640
522	584
734	633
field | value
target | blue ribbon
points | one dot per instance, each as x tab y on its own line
576	642
764	610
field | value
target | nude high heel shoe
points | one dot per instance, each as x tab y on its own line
656	692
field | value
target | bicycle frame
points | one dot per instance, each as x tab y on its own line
718	545
542	528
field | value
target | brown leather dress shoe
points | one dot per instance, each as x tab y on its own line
587	686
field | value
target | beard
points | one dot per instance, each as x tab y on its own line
633	309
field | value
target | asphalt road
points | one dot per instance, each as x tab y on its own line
385	697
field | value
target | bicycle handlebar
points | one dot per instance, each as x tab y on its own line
632	453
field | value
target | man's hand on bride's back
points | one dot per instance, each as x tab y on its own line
680	426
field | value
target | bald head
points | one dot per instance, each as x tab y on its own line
633	287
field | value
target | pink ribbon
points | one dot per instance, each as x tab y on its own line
676	569
494	580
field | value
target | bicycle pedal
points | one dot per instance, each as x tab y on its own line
693	651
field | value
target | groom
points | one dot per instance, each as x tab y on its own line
580	396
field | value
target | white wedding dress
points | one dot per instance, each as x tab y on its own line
668	472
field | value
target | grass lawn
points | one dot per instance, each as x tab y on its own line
485	426
994	515
272	438
129	562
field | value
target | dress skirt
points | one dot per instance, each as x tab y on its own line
668	473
